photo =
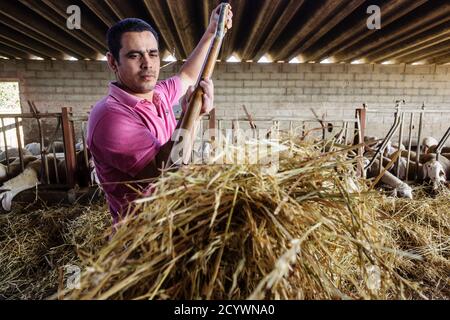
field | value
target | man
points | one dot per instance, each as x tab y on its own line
129	130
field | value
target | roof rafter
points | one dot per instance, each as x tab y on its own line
317	19
326	27
420	44
182	19
357	30
384	38
88	27
19	38
21	17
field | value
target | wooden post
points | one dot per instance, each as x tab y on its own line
6	145
19	144
360	129
69	146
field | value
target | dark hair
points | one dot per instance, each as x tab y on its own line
114	34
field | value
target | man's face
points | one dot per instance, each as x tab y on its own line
138	68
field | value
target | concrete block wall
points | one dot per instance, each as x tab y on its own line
267	90
56	84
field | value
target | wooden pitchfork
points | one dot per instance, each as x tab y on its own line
183	138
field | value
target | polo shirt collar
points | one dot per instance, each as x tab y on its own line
126	98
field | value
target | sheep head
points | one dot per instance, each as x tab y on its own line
434	171
404	191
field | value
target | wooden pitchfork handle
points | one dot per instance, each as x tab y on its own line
183	138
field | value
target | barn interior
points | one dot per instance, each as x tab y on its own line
323	171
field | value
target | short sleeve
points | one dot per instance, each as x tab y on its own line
171	89
122	141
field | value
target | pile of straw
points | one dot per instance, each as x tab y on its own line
309	231
422	227
37	242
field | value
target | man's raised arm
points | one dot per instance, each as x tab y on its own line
190	70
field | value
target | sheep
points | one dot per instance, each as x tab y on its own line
35	147
430	145
430	169
436	171
391	148
29	178
14	168
428	142
32	175
13	153
432	149
401	189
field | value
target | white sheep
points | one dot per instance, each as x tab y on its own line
29	178
428	142
436	171
400	188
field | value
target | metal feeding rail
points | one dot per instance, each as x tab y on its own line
342	130
65	125
404	121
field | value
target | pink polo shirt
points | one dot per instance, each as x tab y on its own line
125	133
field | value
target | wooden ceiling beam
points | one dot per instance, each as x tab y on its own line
18	46
428	53
21	39
259	26
326	27
13	52
5	55
441	59
207	8
289	12
413	44
182	13
113	7
22	15
158	12
317	18
357	31
100	11
231	40
33	35
388	37
88	27
47	12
